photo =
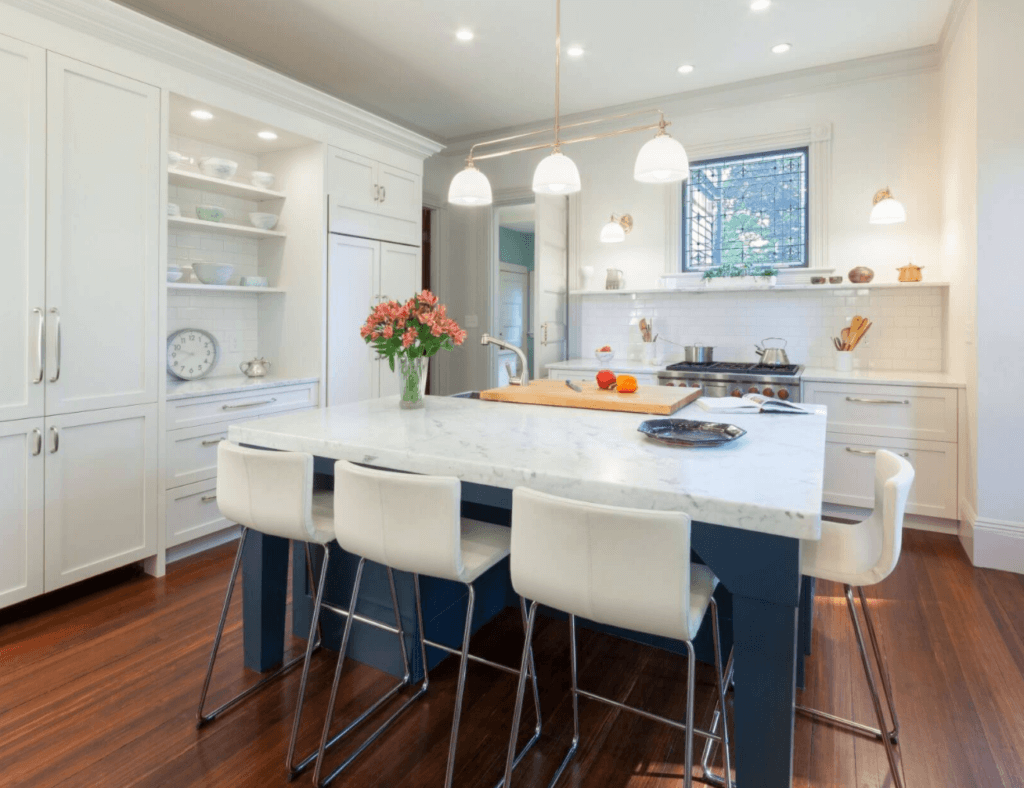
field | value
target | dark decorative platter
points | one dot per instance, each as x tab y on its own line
683	432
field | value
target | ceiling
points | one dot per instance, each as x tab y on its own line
400	58
228	129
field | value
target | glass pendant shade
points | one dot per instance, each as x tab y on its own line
556	174
470	187
888	211
662	160
613	233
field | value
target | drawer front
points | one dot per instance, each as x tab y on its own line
238	407
192	453
850	473
192	512
911	412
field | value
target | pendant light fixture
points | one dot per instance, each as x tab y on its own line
661	160
886	209
615	231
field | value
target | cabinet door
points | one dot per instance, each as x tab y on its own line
352	184
101	491
352	284
401	277
21	510
103	227
401	200
22	227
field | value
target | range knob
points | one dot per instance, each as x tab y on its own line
783	393
737	393
752	389
768	391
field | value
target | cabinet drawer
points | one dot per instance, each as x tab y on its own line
192	512
850	473
238	406
192	453
911	412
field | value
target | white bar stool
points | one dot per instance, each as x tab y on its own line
412	523
621	567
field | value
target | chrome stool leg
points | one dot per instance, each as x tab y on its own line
717	717
883	668
460	687
201	718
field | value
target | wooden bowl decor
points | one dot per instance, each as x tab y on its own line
910	273
860	275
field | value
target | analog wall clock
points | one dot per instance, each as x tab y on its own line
191	353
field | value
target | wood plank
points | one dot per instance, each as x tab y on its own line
655	400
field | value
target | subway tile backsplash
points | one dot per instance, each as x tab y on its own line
907	331
230	317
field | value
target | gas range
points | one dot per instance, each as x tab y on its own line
725	379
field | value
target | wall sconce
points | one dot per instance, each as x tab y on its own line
887	209
615	231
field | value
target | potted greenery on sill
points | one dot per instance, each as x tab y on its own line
740	276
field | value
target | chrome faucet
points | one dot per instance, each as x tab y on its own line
523	376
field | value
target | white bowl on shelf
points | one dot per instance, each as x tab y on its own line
210	213
604	356
218	168
174	273
263	221
173	209
254	281
174	158
262	180
213	273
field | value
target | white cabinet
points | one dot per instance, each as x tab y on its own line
22	228
373	199
102	236
360	273
101	491
21	510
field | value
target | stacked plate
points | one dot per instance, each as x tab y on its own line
683	432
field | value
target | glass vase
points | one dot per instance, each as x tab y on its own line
413	374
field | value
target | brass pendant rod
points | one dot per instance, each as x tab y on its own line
558	63
588	138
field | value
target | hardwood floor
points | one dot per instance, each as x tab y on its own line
100	689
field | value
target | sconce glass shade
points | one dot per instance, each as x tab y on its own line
662	160
556	174
613	233
470	187
887	209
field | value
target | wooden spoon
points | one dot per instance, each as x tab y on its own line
845	334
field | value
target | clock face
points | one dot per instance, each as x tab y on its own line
191	353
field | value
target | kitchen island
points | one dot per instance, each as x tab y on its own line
751	501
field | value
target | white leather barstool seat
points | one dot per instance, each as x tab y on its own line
702	589
483	546
323	517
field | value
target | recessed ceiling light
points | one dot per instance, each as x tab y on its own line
687	69
464	34
780	49
202	114
760	5
267	135
574	51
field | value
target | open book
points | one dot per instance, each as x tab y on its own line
749	403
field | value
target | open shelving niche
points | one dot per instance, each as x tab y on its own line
680	291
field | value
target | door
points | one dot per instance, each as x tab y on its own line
101	491
401	275
22	228
352	276
352	183
21	510
550	295
513	306
103	235
401	199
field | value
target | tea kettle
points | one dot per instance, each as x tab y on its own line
772	356
256	368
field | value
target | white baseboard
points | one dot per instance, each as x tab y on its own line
991	544
203	544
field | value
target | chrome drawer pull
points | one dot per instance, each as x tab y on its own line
41	346
879	401
56	344
873	452
38	449
212	442
249	404
208	498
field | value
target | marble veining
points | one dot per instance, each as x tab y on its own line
769	481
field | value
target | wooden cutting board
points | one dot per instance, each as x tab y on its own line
657	400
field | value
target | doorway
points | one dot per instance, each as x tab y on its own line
516	267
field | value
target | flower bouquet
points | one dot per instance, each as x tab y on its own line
411	332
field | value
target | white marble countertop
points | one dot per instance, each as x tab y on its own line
890	377
769	481
228	384
616	365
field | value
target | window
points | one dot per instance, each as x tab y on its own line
747	211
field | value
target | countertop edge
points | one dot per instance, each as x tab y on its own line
232	385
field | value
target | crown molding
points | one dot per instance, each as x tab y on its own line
128	29
950	28
752	91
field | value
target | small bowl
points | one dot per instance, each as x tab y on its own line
213	273
173	209
174	158
218	168
604	356
254	281
263	221
817	280
262	180
835	280
210	213
174	273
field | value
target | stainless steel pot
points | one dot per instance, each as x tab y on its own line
772	356
698	354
